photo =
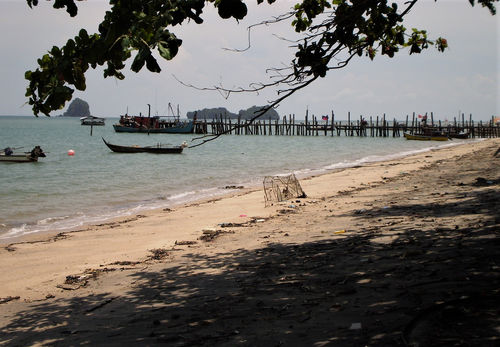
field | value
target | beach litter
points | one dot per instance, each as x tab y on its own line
9	298
185	243
158	254
211	234
281	188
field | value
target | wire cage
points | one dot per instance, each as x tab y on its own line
281	188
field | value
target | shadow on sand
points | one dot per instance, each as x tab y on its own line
429	286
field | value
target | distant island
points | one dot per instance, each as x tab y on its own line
77	108
214	113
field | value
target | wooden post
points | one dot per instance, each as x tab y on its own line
333	122
348	128
413	124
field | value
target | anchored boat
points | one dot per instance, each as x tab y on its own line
91	120
154	125
8	155
437	137
158	149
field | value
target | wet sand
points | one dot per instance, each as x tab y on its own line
392	253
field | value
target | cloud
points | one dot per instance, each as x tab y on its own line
464	77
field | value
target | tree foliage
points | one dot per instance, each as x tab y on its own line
334	31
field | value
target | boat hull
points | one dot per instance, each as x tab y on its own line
18	158
460	136
148	149
426	137
94	123
90	120
184	128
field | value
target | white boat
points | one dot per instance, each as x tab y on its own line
91	120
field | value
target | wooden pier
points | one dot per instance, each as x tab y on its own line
371	127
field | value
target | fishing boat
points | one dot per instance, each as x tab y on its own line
460	135
434	137
8	155
91	120
154	125
158	149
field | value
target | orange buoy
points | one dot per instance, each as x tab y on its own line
71	152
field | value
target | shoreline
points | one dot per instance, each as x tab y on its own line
121	213
130	238
364	259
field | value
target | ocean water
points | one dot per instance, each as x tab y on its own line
61	192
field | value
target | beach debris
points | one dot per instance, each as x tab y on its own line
243	215
98	306
10	248
9	298
74	282
281	188
185	243
239	225
497	152
211	234
339	231
234	187
286	211
158	254
124	263
481	181
229	225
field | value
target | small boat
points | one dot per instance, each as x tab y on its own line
459	135
434	137
158	149
91	120
8	155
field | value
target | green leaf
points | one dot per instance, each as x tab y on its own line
164	51
152	64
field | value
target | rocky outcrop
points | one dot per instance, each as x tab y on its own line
218	112
255	110
77	108
211	113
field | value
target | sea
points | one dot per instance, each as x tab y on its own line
63	192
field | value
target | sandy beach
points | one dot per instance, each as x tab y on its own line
400	252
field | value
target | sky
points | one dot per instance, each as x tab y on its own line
464	79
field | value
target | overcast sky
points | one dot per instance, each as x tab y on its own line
463	79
